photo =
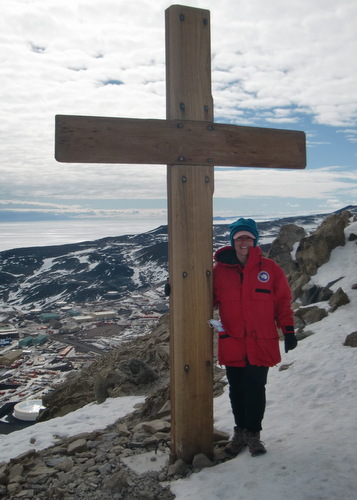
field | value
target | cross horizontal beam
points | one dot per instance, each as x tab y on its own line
88	139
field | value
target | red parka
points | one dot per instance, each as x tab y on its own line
253	302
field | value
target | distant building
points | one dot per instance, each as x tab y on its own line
26	342
104	314
10	357
40	339
5	342
83	319
8	332
47	317
29	341
72	312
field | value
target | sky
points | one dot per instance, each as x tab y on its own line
309	426
274	64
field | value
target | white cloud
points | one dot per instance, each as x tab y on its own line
317	183
272	63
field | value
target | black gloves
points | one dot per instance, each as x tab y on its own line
290	341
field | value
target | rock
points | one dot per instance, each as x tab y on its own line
64	463
27	455
123	429
103	382
120	479
16	473
156	426
201	461
307	315
302	334
282	247
77	446
220	435
315	250
165	410
12	489
338	299
178	468
285	366
314	293
351	340
297	281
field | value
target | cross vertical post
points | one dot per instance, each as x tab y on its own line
190	194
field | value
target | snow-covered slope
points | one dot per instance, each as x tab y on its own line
310	422
38	277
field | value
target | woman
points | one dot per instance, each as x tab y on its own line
254	299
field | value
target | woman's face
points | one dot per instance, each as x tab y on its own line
242	244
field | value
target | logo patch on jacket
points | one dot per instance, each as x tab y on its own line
263	276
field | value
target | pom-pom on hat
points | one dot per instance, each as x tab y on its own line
245	225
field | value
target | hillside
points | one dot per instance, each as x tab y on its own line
310	418
38	277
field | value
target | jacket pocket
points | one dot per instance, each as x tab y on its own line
231	351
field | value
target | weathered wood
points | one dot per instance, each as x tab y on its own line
190	193
125	140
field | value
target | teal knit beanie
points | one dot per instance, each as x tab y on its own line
244	225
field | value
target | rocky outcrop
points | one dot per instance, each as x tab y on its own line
132	369
315	250
312	252
282	247
139	367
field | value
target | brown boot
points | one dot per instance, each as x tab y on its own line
256	447
238	442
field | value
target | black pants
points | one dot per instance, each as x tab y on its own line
247	395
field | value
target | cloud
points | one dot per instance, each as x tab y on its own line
273	64
301	184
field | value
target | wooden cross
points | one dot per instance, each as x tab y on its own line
190	143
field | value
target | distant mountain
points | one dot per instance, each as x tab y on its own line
86	272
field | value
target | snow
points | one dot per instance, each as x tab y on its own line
309	426
89	418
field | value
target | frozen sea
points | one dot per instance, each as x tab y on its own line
61	232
